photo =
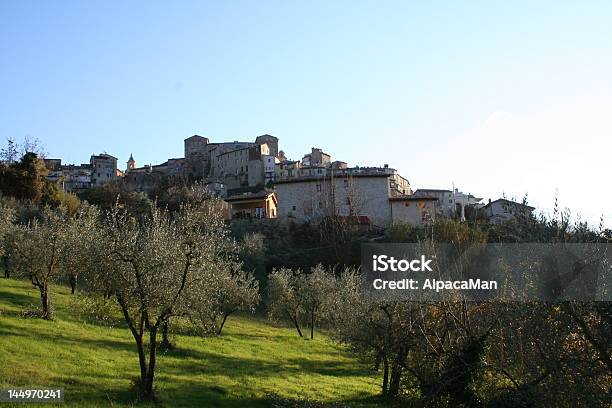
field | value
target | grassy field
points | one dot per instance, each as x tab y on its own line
95	364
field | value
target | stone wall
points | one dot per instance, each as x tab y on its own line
312	199
413	211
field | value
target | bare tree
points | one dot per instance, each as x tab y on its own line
343	202
13	151
9	153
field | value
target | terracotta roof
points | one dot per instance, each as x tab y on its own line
249	196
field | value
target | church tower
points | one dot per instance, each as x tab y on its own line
131	163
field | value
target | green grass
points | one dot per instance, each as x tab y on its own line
95	364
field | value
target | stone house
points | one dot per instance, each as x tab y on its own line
348	193
100	170
450	204
103	169
258	205
502	210
413	209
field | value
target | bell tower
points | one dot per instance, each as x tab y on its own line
131	163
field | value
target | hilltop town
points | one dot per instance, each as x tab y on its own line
258	181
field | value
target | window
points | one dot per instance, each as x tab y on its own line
318	188
320	171
320	205
294	208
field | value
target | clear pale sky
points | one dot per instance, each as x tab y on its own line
494	97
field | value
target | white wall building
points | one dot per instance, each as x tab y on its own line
503	210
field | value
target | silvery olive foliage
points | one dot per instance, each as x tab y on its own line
48	247
165	265
7	230
7	217
84	228
299	296
285	299
223	292
480	354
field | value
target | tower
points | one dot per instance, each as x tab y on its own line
271	141
195	145
131	163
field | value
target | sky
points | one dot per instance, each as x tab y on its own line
491	97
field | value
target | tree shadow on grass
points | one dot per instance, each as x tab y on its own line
183	361
65	338
191	394
236	367
17	299
12	332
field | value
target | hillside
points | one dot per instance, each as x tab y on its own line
95	364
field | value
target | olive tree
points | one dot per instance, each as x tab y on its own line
7	216
222	293
298	295
285	300
367	326
84	228
153	266
316	288
43	248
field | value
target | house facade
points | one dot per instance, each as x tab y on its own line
503	210
258	205
352	192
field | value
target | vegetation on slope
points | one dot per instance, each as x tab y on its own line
95	363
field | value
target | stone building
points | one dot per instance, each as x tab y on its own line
131	164
450	204
316	158
502	210
71	177
196	145
242	167
271	141
100	170
103	169
258	205
223	166
413	210
350	192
